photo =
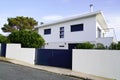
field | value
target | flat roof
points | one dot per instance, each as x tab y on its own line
98	14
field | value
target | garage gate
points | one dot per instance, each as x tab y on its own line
54	57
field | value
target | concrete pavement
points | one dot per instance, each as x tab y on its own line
62	71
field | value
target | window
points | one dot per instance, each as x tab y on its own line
77	27
61	32
103	34
61	45
99	33
47	31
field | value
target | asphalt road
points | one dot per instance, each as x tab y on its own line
9	71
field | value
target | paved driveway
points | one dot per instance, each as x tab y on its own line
9	71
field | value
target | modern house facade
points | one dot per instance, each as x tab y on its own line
67	32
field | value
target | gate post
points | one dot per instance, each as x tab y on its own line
3	50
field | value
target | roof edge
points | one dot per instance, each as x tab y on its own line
71	18
103	21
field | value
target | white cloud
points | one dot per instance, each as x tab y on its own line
52	18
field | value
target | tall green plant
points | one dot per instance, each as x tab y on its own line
30	39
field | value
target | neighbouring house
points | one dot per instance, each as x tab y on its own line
66	33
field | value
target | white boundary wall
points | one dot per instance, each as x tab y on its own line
14	51
104	63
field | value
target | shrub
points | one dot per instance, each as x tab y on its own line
3	39
113	46
100	46
118	46
29	39
85	45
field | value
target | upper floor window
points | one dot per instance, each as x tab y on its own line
61	32
47	31
76	27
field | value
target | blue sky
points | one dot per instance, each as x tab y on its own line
49	10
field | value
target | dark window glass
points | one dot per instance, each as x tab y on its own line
99	33
77	27
61	46
61	36
61	28
61	32
47	31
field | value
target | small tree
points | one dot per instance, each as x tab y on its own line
100	46
3	39
19	23
85	45
29	39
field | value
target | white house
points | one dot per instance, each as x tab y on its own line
65	33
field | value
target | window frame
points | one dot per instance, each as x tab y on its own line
61	33
99	32
77	27
47	31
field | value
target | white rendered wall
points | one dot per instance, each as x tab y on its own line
56	46
14	51
88	34
89	30
105	63
102	30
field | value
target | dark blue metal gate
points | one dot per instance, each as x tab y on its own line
54	57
